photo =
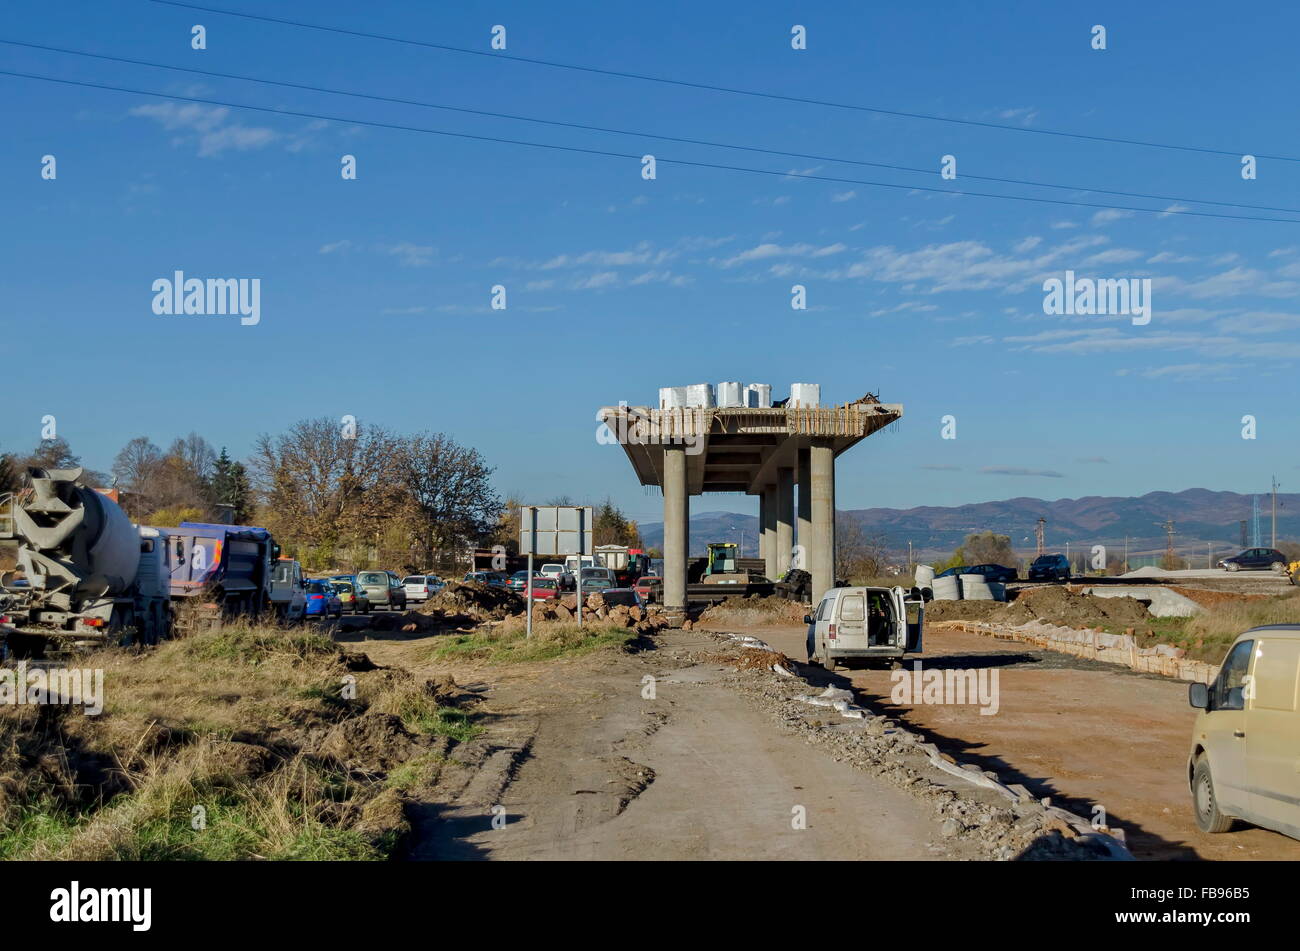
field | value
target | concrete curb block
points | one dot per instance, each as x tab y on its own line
1118	649
841	700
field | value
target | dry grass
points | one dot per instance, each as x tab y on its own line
194	757
508	644
1213	631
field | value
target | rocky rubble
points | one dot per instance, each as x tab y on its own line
1003	821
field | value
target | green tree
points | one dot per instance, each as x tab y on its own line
229	487
987	548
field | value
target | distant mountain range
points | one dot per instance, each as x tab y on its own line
1200	516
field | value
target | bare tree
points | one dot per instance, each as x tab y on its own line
858	554
449	486
320	485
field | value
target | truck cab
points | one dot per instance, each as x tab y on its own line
865	624
288	597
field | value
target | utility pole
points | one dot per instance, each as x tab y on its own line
1042	526
1170	556
1125	554
1274	544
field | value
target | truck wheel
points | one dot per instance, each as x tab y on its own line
1208	816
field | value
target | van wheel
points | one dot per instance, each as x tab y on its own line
827	660
1208	816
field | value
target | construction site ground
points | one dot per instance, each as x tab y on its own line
582	766
1081	732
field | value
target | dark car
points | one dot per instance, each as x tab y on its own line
494	579
987	572
519	580
1257	559
1049	568
625	596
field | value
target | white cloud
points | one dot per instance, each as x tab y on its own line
769	250
211	126
1107	215
412	255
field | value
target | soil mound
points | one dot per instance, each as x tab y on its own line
479	601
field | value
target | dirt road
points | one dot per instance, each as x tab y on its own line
582	766
1079	731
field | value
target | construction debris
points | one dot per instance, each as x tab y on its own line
479	601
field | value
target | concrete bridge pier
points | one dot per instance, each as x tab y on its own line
677	513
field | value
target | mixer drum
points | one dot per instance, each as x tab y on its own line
80	540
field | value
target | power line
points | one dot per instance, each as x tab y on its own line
496	54
626	155
648	135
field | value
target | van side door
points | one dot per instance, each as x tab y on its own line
1225	730
851	619
1273	734
911	632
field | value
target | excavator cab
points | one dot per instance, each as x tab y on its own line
722	558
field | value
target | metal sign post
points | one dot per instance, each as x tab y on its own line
559	530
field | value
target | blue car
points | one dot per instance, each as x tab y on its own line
323	600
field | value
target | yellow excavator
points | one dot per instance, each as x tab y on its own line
721	565
1293	572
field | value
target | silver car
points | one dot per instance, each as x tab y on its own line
383	589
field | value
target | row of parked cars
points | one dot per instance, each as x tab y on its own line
1056	567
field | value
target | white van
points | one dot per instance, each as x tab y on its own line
1245	758
865	624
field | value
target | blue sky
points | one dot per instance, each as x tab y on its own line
375	292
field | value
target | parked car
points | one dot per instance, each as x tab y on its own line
322	600
594	583
421	587
1049	568
998	573
383	589
624	596
352	595
864	624
546	589
600	572
1242	763
494	578
1255	559
560	574
519	580
650	588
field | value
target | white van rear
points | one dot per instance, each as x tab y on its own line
1245	756
865	624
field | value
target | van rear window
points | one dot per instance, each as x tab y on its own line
372	577
851	608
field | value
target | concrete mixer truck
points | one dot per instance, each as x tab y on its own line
85	575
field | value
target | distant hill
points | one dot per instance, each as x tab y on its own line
1200	516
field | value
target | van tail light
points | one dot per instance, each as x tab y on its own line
830	630
93	621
